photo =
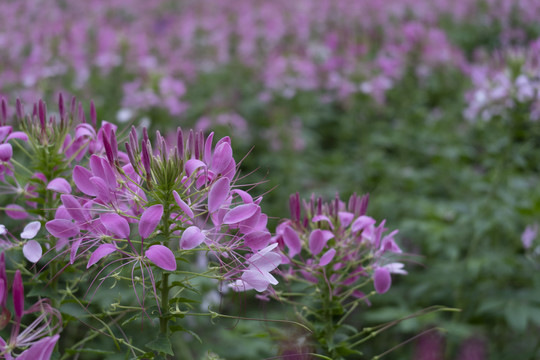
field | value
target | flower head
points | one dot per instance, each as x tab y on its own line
339	244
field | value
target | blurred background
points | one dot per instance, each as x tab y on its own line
430	106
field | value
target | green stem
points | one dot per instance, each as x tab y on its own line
164	303
329	327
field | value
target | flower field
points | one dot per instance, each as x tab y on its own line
308	179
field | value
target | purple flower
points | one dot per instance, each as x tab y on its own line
38	337
529	235
337	244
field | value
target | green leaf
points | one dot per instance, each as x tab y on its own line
183	300
343	349
186	286
42	290
516	315
72	309
175	328
161	344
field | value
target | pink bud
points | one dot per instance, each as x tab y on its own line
20	109
3	112
180	143
18	295
61	108
93	115
6	152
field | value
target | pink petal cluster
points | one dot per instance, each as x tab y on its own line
292	46
505	82
38	338
6	135
337	243
186	190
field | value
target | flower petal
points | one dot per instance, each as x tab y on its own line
102	190
182	205
162	257
292	240
327	257
265	261
240	213
115	224
258	279
192	165
31	230
59	185
257	240
317	241
191	238
16	212
150	219
218	193
362	222
62	228
40	350
345	218
101	252
19	135
382	280
32	251
323	218
74	209
222	157
81	177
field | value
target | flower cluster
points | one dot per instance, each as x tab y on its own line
512	81
338	245
136	212
293	47
35	340
179	196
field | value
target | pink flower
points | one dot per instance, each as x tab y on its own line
38	337
529	235
338	244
